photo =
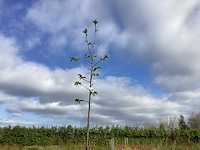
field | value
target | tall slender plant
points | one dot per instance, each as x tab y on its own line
92	64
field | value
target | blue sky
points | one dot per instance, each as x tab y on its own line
152	72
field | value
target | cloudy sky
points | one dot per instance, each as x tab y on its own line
152	73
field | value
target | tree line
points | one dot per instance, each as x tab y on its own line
180	131
171	123
69	135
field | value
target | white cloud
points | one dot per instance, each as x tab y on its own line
164	38
61	19
162	34
4	123
30	43
8	52
128	103
65	20
119	100
4	98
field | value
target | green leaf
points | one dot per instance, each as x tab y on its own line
97	67
77	83
78	100
105	57
74	58
87	56
81	77
85	31
95	74
95	22
95	93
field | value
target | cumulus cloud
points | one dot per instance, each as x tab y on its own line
4	98
130	103
34	88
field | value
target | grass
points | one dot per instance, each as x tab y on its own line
158	147
117	147
75	147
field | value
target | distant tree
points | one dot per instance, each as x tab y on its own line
170	123
161	126
148	125
181	123
194	120
91	63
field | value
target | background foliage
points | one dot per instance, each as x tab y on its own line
69	135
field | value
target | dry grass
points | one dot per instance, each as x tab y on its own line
117	147
135	147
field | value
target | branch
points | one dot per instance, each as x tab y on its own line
81	77
94	43
76	59
79	83
88	43
86	80
85	87
83	65
101	59
97	63
87	57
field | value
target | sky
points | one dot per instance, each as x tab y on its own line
152	72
